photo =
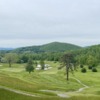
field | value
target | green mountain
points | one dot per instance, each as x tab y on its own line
57	46
50	47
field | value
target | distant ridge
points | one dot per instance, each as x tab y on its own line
58	46
6	48
50	47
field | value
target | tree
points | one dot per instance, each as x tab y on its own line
94	69
24	57
83	70
11	58
90	67
42	64
81	66
68	62
92	61
29	66
36	63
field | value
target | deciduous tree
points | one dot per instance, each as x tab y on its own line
11	58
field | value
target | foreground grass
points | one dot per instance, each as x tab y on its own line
8	95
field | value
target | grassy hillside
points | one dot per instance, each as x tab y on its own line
51	84
51	47
16	78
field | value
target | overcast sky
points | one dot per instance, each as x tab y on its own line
36	22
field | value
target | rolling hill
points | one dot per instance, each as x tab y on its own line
50	47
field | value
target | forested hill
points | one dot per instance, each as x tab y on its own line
89	54
50	47
91	50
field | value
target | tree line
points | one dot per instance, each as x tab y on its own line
87	56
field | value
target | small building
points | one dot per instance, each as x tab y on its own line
47	67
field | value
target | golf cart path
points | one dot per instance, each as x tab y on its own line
17	91
59	93
67	94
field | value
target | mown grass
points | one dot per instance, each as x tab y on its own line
18	84
8	95
35	82
52	79
91	79
38	80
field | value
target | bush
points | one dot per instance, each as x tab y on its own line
83	70
90	67
81	66
94	70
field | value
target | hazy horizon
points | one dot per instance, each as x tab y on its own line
36	22
43	44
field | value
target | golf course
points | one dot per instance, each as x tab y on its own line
17	84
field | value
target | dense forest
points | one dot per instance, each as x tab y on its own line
89	55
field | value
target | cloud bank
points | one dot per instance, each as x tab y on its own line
35	22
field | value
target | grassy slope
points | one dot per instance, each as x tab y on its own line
51	79
37	80
92	80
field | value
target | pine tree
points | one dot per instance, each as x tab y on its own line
68	62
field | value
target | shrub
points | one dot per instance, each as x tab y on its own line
94	70
81	66
83	70
90	67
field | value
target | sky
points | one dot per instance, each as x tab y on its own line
37	22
